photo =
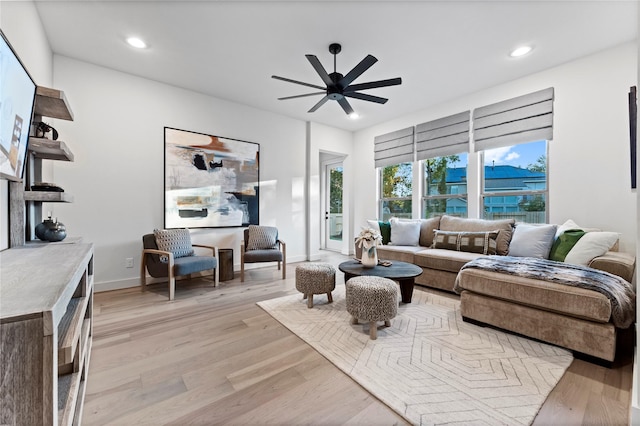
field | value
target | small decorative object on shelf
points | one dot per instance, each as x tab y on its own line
369	239
51	230
43	128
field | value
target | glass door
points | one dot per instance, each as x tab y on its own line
333	206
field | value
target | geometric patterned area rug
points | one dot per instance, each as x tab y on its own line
430	366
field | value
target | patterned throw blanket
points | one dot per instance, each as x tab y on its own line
616	289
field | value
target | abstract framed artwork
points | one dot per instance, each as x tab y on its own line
210	181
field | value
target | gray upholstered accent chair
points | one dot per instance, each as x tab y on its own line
174	267
277	254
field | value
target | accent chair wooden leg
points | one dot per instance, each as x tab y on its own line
373	330
310	301
143	272
172	285
241	269
284	269
330	297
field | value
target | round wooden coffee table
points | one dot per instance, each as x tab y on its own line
402	272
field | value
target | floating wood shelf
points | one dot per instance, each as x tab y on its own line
52	103
48	197
50	150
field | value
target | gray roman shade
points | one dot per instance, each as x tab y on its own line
444	136
394	148
523	119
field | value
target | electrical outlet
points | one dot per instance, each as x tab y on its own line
128	262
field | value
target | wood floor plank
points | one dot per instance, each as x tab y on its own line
212	356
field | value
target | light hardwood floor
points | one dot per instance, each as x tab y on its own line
212	356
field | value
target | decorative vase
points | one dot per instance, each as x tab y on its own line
51	230
369	257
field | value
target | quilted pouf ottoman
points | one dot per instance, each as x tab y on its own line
315	278
372	299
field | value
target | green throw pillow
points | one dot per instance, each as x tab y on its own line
564	243
385	231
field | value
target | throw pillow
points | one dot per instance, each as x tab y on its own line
568	225
471	242
591	245
262	237
385	232
505	226
564	243
177	241
532	240
404	232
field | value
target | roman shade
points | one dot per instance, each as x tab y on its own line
444	136
394	148
523	119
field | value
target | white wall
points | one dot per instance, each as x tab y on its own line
21	25
588	158
117	138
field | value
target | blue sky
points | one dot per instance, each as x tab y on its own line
518	155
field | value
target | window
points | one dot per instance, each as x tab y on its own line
518	174
445	186
395	191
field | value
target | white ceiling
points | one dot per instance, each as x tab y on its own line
229	49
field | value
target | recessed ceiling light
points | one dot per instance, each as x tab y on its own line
520	51
354	116
136	42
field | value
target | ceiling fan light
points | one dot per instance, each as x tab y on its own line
520	51
136	42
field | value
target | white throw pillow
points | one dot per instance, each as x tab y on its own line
592	244
568	225
373	224
404	232
532	240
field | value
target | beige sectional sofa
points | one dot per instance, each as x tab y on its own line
571	317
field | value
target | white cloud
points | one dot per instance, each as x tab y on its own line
497	156
512	156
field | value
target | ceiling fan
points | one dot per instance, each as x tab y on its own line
338	86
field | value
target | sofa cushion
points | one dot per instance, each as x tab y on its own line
532	240
473	242
505	226
572	301
404	232
444	260
564	243
591	245
427	226
399	253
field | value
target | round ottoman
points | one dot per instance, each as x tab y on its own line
315	278
372	299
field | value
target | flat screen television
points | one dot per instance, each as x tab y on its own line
17	97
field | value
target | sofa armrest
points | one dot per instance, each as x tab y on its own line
617	263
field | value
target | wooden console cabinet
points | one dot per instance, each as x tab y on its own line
46	321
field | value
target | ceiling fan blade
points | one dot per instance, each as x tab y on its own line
373	85
298	82
365	97
364	65
320	103
345	106
315	63
302	96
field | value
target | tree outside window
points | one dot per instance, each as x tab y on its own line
396	190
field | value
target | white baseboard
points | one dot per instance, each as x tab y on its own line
135	282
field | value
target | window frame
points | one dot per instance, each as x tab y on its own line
425	196
533	192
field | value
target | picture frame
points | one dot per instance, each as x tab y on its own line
210	181
633	125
